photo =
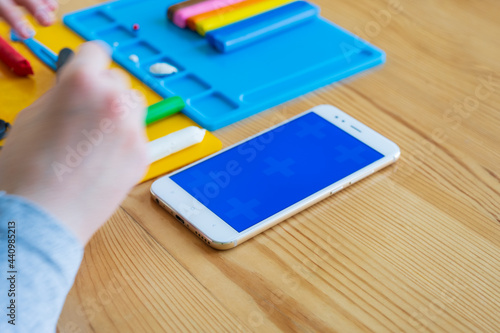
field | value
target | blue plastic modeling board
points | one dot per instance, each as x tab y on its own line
222	88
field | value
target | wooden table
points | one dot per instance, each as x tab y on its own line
412	248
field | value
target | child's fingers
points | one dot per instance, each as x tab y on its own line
43	14
14	17
52	4
91	58
118	78
95	55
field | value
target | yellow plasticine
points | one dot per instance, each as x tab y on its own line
193	21
19	92
218	21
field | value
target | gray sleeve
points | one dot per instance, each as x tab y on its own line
39	259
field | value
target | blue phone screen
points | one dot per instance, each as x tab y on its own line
261	177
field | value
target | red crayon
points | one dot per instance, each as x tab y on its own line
16	62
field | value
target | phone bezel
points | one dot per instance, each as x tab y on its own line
221	235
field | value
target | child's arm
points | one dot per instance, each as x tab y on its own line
44	260
80	148
68	162
42	10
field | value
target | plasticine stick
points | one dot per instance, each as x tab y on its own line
194	20
172	9
241	11
256	28
180	17
164	108
14	60
174	142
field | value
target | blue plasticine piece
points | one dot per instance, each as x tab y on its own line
254	29
222	88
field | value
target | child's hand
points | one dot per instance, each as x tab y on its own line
79	149
42	10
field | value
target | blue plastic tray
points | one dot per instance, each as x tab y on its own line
220	89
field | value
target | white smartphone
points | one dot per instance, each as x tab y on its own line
237	193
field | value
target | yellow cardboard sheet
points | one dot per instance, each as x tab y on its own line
16	93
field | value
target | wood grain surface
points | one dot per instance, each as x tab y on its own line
413	248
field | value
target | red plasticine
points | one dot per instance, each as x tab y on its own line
16	62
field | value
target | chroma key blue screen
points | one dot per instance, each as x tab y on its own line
253	181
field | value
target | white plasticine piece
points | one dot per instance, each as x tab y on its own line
174	142
162	68
134	58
